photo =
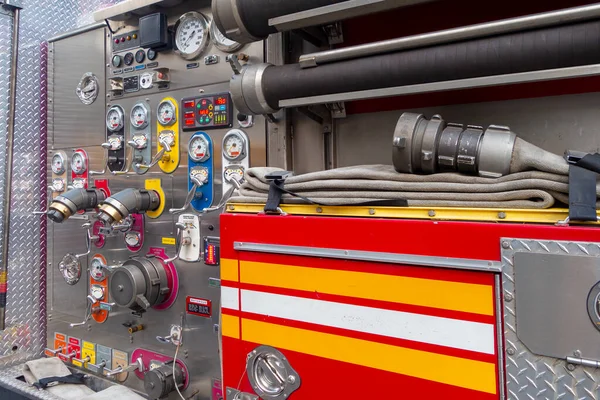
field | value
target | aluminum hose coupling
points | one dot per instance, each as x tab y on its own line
122	204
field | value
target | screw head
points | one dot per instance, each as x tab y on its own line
371	211
319	210
577	353
505	245
431	213
508	297
511	352
291	379
570	367
400	142
501	215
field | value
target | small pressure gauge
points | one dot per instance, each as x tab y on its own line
133	239
234	145
78	163
139	116
166	112
140	56
198	149
58	185
58	164
140	141
151	54
97	292
200	174
191	35
128	59
221	42
116	61
114	118
97	270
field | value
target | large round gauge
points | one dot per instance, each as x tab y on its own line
234	145
78	163
139	116
191	35
58	164
114	118
128	58
221	42
166	112
198	149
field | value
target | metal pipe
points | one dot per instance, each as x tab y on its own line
568	15
10	133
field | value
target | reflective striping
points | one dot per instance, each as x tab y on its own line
464	335
230	298
469	374
229	270
230	326
455	296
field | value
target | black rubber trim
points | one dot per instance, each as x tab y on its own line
582	194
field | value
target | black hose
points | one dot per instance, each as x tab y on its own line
556	47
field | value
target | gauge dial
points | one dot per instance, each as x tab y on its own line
166	113
234	145
78	163
97	270
139	116
198	149
116	61
139	142
140	56
58	185
133	239
128	59
97	292
221	42
199	174
191	35
151	54
58	164
114	118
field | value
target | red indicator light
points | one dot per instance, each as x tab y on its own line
122	39
189	114
188	104
116	41
189	122
221	100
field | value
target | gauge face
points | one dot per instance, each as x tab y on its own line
140	141
166	113
58	164
97	292
140	56
191	36
146	80
234	172
58	185
114	119
133	239
116	61
97	271
151	54
128	58
221	42
198	149
199	174
78	164
139	116
233	145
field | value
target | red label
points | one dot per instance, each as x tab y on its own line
199	307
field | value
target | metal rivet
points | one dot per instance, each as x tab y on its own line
501	215
400	142
505	245
371	211
511	352
570	367
508	297
319	210
232	208
577	353
291	379
431	213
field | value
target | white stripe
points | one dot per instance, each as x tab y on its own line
459	334
230	298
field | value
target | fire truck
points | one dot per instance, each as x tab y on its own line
305	200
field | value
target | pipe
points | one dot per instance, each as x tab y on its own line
8	171
246	21
568	15
120	205
423	146
65	205
259	88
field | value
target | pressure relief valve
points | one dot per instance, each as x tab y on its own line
129	201
68	204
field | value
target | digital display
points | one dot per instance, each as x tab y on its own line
208	111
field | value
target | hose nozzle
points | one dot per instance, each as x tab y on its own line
65	205
120	205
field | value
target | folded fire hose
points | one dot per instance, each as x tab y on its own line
435	164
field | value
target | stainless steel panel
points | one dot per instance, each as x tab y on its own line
532	376
555	323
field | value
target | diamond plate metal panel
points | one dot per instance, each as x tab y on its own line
25	336
530	376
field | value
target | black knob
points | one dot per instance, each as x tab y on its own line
242	117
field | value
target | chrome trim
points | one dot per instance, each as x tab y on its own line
78	31
392	258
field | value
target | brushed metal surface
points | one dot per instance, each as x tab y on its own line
531	376
555	323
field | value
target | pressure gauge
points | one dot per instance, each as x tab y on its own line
234	145
128	58
199	174
70	269
116	61
166	112
191	35
78	163
97	270
140	56
58	185
139	116
140	141
97	292
198	149
221	42
133	239
114	118
151	54
58	164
